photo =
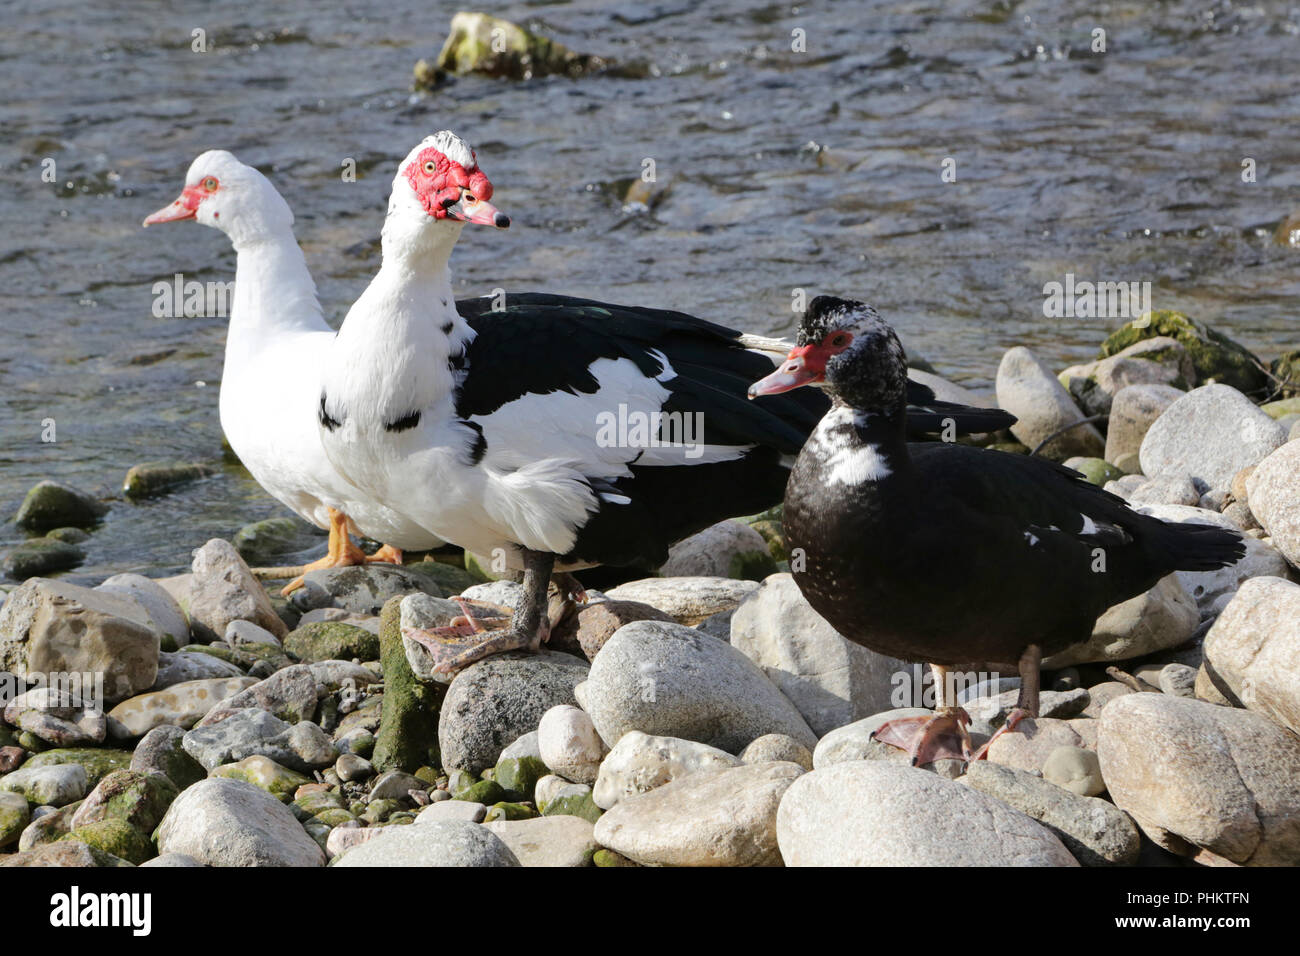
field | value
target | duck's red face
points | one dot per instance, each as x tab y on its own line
805	365
448	190
186	205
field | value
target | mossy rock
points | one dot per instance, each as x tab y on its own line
219	651
40	556
332	641
1281	409
50	827
116	837
263	541
574	805
14	817
481	43
458	781
486	792
480	568
1213	354
315	802
518	776
1286	369
603	857
1010	447
138	799
98	763
52	504
408	726
7	737
451	579
506	810
377	811
279	781
774	534
1098	471
33	744
752	565
68	535
154	478
333	817
318	831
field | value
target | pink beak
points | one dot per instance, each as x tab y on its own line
479	211
803	366
185	206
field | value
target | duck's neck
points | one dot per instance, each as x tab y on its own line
862	446
274	294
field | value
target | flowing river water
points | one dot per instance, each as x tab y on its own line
776	169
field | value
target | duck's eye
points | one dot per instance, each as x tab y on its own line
430	167
210	184
840	340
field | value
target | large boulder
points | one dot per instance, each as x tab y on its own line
639	763
1254	647
671	680
1028	389
223	589
830	679
52	504
1196	776
879	813
182	705
723	817
55	627
161	610
231	823
1274	494
1209	434
1163	617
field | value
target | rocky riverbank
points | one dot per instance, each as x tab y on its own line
705	716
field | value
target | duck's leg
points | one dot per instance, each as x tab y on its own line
342	552
528	628
1026	700
385	555
938	736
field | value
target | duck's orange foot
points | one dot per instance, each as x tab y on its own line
938	736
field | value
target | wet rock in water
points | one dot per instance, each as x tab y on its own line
728	549
362	588
181	705
772	747
57	717
1028	389
64	853
263	772
54	786
596	623
161	610
1132	413
1155	361
1274	493
1093	830
831	680
1254	648
670	680
1209	434
223	590
1212	590
14	817
855	742
154	478
302	746
548	841
686	600
40	556
332	641
877	813
51	626
290	694
493	702
442	843
1162	617
1196	776
182	668
162	751
1214	356
261	542
480	43
721	817
232	823
639	763
52	504
569	745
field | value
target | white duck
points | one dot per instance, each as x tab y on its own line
275	351
547	432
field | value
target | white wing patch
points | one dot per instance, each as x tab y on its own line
855	466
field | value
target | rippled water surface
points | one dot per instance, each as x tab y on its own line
776	170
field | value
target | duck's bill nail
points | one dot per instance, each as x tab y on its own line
795	372
185	206
479	211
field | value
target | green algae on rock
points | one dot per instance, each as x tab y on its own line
53	504
1213	354
481	43
154	478
408	724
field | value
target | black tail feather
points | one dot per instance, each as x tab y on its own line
1202	547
